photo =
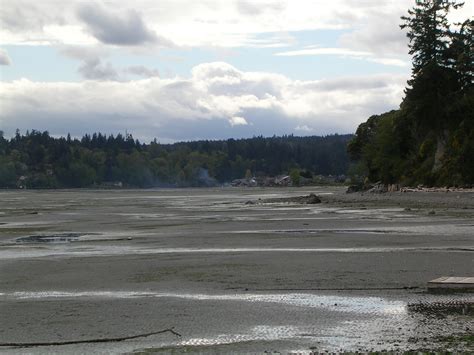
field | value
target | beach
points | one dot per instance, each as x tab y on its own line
229	272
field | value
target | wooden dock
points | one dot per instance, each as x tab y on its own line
452	283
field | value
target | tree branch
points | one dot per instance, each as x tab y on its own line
85	341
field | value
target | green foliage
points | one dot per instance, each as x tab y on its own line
36	160
248	174
8	176
430	139
295	177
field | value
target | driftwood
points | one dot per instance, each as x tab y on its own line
85	341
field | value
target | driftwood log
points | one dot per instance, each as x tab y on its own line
86	341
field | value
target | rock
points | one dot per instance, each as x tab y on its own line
250	202
353	188
313	199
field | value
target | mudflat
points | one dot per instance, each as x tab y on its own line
346	274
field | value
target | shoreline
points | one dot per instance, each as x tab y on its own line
434	200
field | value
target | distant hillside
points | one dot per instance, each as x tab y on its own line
37	160
430	139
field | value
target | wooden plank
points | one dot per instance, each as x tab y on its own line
453	279
453	282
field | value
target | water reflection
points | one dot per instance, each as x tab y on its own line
363	305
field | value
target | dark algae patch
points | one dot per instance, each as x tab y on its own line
443	309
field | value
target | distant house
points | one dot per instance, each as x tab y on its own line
252	182
21	183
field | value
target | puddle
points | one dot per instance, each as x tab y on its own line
69	237
257	333
50	238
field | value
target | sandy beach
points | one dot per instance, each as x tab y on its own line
231	276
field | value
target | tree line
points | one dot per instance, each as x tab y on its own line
38	160
430	138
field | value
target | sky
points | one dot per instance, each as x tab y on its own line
184	70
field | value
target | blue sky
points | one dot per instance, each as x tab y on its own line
46	63
180	70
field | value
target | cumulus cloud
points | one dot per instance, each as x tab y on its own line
216	101
94	67
126	29
96	70
4	58
369	24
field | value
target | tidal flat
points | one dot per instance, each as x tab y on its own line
348	274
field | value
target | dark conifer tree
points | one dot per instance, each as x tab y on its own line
428	32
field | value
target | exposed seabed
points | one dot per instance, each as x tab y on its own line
346	275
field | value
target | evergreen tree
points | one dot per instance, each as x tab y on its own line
428	31
37	160
460	54
429	140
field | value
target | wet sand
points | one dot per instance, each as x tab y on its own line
230	276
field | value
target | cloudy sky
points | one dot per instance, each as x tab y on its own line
183	69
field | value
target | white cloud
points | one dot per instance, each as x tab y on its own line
390	61
94	67
303	128
378	31
238	121
324	51
247	7
4	58
372	25
126	28
201	106
345	52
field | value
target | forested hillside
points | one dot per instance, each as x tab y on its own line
37	160
430	139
